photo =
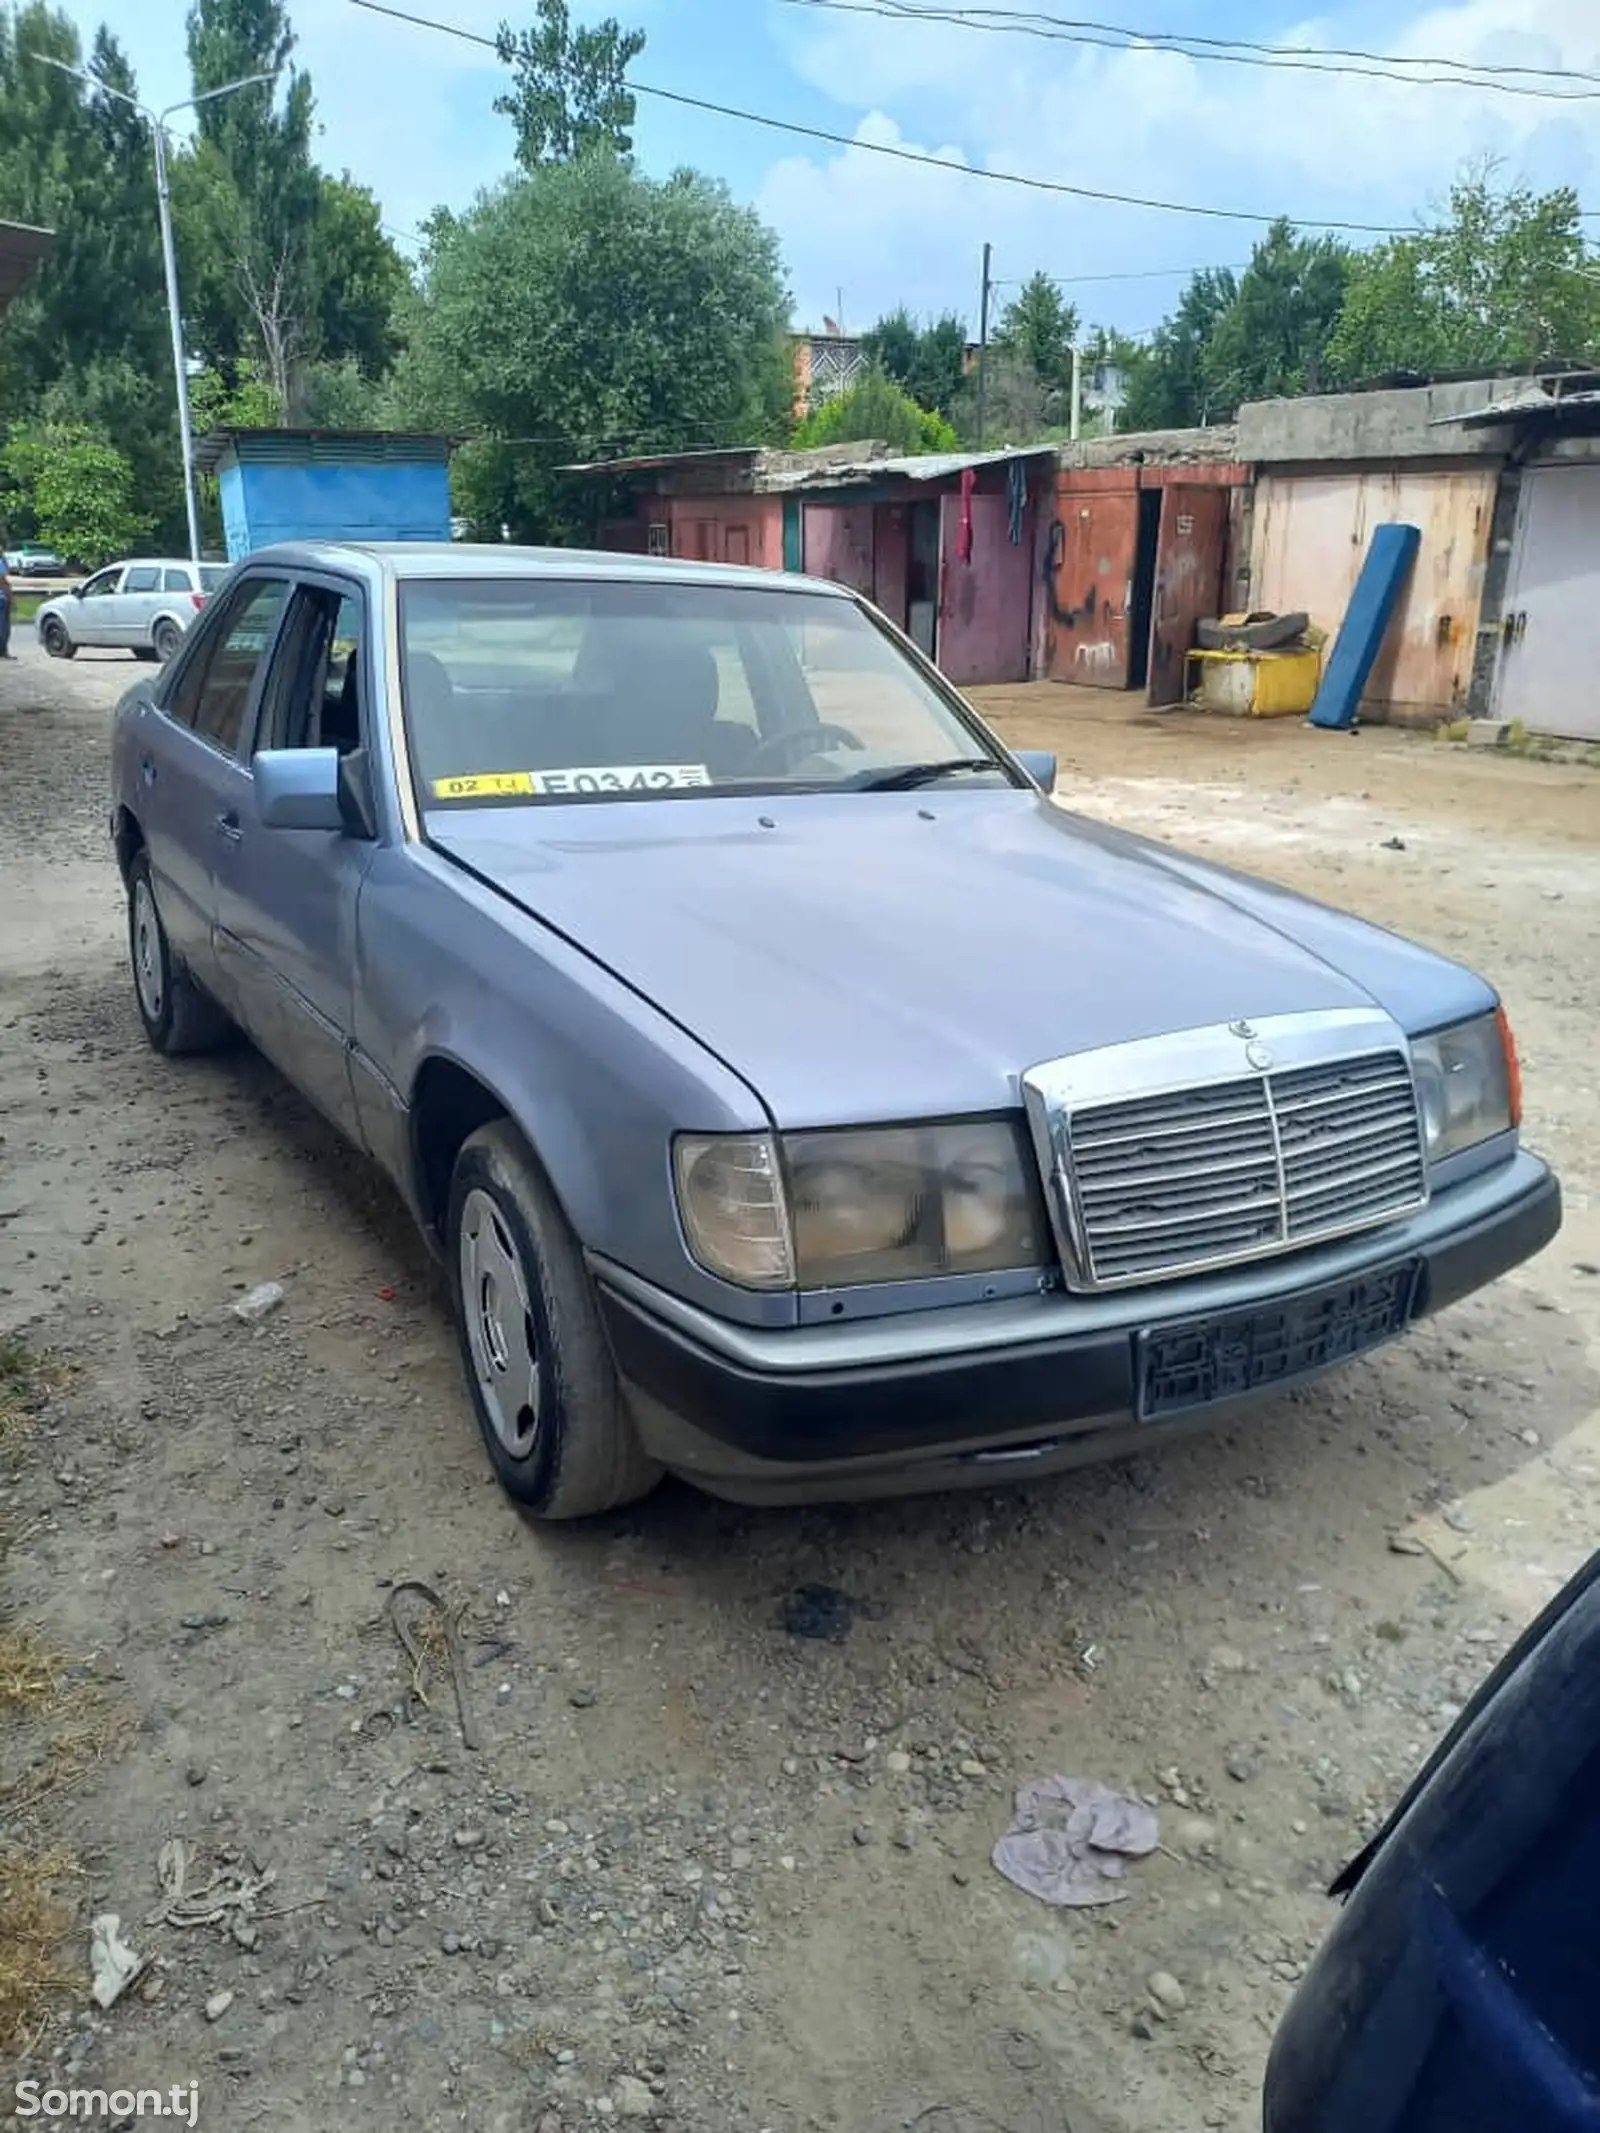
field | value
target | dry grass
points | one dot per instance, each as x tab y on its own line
34	1925
27	1378
54	1727
73	1726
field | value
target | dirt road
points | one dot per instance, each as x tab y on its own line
701	1872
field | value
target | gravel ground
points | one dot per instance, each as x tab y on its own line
703	1873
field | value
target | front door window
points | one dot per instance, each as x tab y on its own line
213	692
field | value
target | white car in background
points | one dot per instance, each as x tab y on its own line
141	606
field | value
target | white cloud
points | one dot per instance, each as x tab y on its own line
1156	124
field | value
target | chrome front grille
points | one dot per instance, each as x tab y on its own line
1173	1180
1168	1180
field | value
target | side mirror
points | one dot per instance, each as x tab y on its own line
298	788
77	592
1040	765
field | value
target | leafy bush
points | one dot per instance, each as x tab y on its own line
79	489
875	410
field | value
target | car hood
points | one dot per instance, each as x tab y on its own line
880	956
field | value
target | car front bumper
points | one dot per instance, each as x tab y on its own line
974	1394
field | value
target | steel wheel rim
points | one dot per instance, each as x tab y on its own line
54	634
499	1323
147	956
166	641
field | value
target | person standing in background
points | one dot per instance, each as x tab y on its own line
5	608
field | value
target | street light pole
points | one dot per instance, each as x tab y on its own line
169	260
157	122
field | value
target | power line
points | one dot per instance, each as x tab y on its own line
1230	51
1066	281
913	155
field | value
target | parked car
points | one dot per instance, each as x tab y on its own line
1457	1991
800	1100
32	561
142	606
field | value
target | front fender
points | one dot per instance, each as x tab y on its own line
595	1076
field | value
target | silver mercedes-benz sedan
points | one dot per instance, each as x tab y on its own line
800	1098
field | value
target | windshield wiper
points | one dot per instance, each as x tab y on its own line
911	775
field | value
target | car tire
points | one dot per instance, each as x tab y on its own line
165	638
529	1322
53	636
178	1015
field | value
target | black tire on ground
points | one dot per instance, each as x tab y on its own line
178	1016
166	638
527	1319
53	636
1266	633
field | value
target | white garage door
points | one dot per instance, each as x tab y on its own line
1550	660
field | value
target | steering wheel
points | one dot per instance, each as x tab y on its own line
800	741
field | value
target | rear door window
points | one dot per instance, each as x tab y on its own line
142	578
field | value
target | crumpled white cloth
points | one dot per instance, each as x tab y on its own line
1069	1839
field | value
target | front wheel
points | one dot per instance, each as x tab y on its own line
166	638
53	636
177	1015
539	1371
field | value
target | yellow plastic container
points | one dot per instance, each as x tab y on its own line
1246	684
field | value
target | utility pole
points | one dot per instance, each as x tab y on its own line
157	122
983	335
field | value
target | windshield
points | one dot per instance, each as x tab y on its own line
531	690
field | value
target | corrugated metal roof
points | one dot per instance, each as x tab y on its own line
340	447
919	466
775	472
651	462
1524	407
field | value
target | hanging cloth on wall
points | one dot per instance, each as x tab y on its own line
1016	499
969	481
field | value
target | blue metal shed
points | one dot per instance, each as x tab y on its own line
333	485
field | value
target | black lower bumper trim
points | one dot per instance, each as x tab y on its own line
842	1414
1053	1387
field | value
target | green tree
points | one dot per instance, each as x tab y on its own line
359	280
1017	409
569	90
1168	381
581	310
875	410
78	489
1505	280
926	362
285	267
86	341
1273	338
247	196
1037	330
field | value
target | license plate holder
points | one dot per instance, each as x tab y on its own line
1198	1361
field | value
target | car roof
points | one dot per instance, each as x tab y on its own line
465	559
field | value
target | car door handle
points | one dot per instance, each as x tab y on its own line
228	826
147	771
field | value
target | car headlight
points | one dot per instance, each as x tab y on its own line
860	1204
1468	1086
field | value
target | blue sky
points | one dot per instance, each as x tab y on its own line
410	113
